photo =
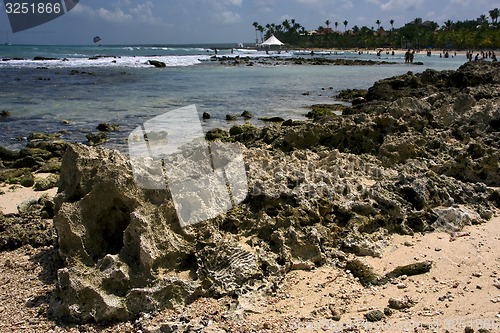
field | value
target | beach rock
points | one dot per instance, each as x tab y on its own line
27	228
362	245
272	119
44	184
363	273
410	270
350	95
231	117
125	236
206	115
242	132
5	114
226	266
236	130
27	180
105	127
53	165
27	206
335	315
95	140
8	155
471	74
454	218
374	316
37	136
12	176
157	64
320	110
400	304
36	153
358	101
32	162
38	58
215	134
247	115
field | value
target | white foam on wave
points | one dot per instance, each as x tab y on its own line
170	61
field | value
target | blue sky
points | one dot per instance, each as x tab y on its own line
226	21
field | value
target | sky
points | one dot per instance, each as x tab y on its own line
225	21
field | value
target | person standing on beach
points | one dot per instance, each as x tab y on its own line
407	57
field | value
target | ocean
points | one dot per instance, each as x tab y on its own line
89	85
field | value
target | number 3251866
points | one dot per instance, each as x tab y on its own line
31	8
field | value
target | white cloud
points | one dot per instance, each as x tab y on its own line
115	16
265	6
219	13
312	1
399	5
83	10
121	13
232	2
348	5
144	13
122	3
227	17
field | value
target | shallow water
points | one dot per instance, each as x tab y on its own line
128	92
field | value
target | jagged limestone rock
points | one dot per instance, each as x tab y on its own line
119	242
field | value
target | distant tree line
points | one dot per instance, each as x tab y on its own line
481	33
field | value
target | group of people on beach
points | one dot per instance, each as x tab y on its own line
483	56
409	57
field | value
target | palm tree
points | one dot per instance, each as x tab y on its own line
345	25
269	31
327	22
494	13
336	25
256	26
286	25
261	30
378	24
448	24
392	24
484	20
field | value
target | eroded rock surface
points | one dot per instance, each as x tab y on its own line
420	155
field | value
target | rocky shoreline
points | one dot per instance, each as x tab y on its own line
419	153
280	61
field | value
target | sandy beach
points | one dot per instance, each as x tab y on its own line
14	195
461	290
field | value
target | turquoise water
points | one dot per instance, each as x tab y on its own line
123	89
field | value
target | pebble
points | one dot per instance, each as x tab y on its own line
496	283
374	316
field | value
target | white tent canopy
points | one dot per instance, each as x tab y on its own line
272	41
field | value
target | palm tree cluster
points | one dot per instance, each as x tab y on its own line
483	33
